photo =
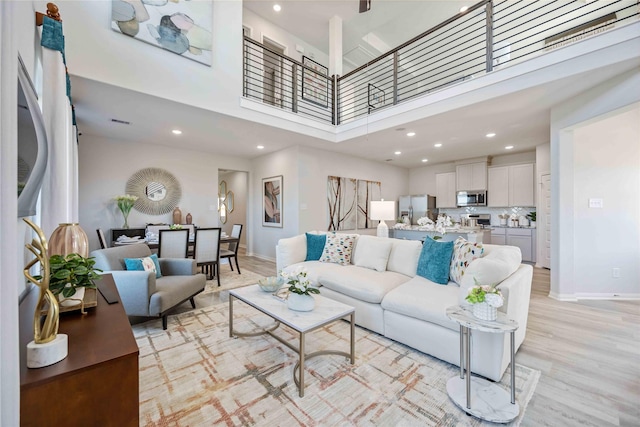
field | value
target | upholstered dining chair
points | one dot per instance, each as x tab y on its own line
173	243
101	239
207	251
232	251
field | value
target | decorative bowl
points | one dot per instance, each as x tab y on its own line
271	283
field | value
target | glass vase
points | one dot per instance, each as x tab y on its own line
126	219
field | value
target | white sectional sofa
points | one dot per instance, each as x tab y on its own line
410	309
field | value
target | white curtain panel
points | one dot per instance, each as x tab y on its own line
60	185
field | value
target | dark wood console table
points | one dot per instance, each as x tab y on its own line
97	383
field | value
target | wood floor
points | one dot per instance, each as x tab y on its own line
588	353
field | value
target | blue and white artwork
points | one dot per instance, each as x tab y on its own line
179	26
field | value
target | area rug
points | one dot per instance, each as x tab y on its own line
231	280
194	374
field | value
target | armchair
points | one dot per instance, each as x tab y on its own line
143	294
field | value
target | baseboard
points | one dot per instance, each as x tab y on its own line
594	296
266	258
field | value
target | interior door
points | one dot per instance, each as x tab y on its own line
272	73
544	222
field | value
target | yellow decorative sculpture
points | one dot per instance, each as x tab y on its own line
43	331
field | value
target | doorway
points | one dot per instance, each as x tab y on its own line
272	77
233	193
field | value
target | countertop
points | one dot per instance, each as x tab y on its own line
506	226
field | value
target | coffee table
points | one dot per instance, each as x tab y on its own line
325	312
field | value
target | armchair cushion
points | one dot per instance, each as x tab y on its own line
149	263
178	266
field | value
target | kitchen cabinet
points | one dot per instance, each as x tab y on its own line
446	190
472	176
511	186
524	238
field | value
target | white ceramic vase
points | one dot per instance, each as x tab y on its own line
75	299
484	311
299	302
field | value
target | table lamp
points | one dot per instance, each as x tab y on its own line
382	211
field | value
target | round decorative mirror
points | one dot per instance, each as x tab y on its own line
158	191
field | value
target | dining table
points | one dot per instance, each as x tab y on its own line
153	244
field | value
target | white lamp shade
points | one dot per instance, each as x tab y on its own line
382	210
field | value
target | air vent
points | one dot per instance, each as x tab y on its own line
122	122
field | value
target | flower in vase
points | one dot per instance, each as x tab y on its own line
298	282
125	203
485	293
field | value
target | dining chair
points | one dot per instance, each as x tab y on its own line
101	239
232	251
173	243
207	251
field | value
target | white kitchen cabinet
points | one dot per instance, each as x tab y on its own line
472	176
446	190
521	185
499	236
511	186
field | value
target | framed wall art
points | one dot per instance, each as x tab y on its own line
315	88
272	201
182	27
375	96
367	191
341	195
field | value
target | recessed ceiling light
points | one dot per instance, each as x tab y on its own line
260	147
177	132
508	147
490	135
464	9
425	160
397	153
411	134
438	145
277	7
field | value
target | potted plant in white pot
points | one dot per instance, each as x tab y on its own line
70	276
300	290
485	301
532	218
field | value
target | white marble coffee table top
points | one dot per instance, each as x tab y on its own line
465	317
325	310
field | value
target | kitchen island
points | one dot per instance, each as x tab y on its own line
471	234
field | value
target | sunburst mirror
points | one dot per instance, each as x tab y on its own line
158	191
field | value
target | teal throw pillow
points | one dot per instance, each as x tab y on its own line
315	246
149	263
435	261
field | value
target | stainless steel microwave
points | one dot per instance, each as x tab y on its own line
471	198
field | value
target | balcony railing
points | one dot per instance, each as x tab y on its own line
487	36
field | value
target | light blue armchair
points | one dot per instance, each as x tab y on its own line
141	293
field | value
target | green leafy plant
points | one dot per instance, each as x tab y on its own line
531	216
484	293
175	227
298	282
72	269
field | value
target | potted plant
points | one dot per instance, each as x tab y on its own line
532	218
125	203
70	276
300	290
485	300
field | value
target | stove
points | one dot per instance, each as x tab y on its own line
483	220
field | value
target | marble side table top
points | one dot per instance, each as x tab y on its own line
465	317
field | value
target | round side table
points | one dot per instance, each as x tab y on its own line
476	396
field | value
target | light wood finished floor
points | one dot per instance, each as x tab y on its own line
588	353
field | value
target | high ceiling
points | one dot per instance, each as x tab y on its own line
519	118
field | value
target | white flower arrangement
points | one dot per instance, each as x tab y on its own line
425	221
298	282
401	226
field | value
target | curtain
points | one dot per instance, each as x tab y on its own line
59	202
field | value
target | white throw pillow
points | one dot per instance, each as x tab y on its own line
372	252
404	256
463	254
498	263
338	248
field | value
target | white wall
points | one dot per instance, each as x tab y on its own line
238	183
616	93
106	166
607	166
262	28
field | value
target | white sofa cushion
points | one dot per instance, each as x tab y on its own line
372	252
338	248
423	299
292	250
314	269
498	263
404	256
361	283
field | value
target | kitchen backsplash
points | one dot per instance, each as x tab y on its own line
495	220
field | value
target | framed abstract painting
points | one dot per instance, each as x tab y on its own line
272	201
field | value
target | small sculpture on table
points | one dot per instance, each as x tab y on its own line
48	347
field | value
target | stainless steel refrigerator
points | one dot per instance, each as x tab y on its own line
417	206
